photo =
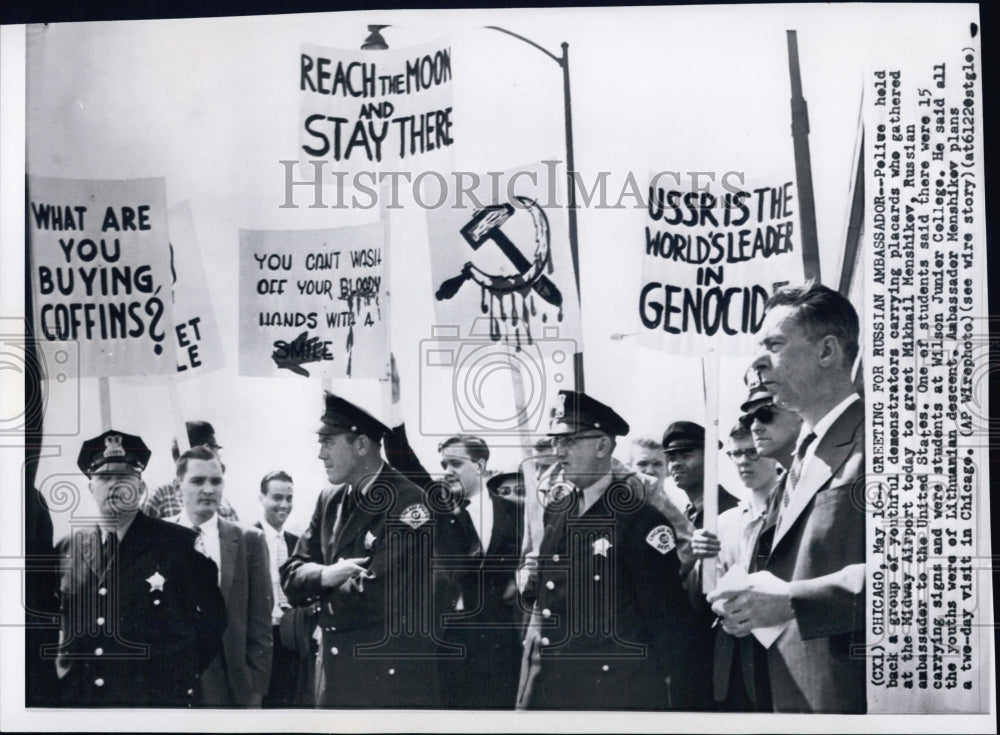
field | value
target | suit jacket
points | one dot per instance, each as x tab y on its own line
378	644
244	668
818	663
616	628
488	626
139	633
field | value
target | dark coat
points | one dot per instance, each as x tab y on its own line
244	669
378	645
819	547
488	628
617	629
156	616
293	667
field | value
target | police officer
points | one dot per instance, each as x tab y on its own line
141	611
614	626
366	558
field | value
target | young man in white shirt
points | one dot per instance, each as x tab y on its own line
239	676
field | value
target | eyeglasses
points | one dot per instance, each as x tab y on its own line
764	414
737	454
568	441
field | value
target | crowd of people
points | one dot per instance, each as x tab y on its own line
574	581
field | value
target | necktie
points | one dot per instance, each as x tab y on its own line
692	513
199	542
795	473
344	512
108	549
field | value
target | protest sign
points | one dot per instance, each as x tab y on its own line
313	302
503	252
375	110
197	343
712	257
100	272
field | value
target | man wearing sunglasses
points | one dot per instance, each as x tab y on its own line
615	630
740	665
811	578
775	430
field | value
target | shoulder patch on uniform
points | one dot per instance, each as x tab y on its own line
662	539
415	515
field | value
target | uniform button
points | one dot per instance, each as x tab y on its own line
550	585
334	651
98	682
597	577
98	651
546	613
392	672
100	621
545	641
555	557
332	629
103	591
156	602
190	692
605	667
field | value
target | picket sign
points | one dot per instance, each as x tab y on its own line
710	374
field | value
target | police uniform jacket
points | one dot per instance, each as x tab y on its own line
617	629
140	632
377	644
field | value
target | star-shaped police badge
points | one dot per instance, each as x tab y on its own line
156	581
601	547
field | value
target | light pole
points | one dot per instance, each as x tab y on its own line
563	62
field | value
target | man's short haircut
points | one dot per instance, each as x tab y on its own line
647	443
276	475
473	445
202	452
740	432
821	311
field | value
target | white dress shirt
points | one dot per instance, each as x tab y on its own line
275	543
822	426
210	533
481	511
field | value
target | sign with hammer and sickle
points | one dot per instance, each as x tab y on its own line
486	226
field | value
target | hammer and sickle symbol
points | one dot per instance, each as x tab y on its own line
486	225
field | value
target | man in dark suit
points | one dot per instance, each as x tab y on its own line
291	673
366	558
613	627
475	595
141	612
239	676
684	447
812	571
